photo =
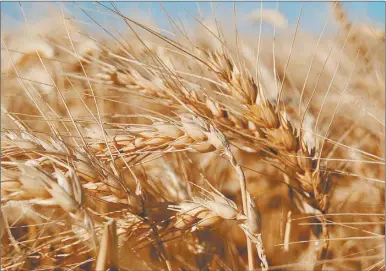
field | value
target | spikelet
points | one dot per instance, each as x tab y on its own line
201	213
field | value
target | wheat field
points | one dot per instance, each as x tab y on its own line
199	148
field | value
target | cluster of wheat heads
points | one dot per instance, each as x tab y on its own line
155	150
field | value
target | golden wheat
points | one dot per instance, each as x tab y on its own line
153	150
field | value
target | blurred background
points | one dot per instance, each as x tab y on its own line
312	16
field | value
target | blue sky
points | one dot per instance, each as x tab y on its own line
312	15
